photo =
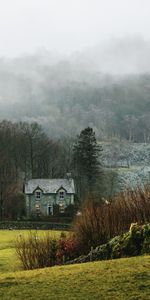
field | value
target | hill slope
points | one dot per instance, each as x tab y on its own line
122	279
105	87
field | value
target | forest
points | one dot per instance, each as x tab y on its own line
47	101
27	152
66	95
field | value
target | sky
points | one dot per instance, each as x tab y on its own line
68	26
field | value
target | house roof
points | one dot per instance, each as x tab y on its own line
50	186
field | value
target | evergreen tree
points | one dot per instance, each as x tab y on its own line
86	161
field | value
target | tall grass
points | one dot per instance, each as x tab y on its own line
102	220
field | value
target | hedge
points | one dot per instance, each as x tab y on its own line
33	225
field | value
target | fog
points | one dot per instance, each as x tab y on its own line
67	64
94	87
68	26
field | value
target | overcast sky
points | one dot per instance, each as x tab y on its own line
68	25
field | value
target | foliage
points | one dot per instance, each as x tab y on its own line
86	161
129	244
14	207
146	243
51	223
132	243
116	107
36	251
68	248
26	152
101	220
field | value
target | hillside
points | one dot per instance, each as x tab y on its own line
122	279
125	165
106	87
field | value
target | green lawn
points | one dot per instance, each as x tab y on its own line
120	279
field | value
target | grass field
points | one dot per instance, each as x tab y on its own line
8	258
120	279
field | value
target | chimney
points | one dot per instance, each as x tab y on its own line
68	175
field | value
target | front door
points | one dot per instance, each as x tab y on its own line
50	209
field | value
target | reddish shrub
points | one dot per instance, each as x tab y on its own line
68	248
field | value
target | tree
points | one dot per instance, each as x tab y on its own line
38	151
86	161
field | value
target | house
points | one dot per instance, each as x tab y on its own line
46	196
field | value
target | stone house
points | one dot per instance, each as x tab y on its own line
45	196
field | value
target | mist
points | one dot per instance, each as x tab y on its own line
68	26
65	93
67	68
67	64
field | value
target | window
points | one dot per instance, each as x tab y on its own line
37	208
38	195
61	208
61	194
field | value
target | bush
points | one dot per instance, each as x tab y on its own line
102	220
90	227
36	252
126	246
34	225
39	252
68	248
101	252
146	243
134	242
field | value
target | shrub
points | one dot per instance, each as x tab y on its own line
39	252
102	220
90	226
101	252
34	225
126	246
146	243
36	252
146	246
68	248
130	243
134	242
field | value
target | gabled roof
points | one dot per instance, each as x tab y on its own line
50	186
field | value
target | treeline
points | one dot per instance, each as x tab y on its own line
26	149
27	152
65	99
116	108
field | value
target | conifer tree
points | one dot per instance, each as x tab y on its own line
86	161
